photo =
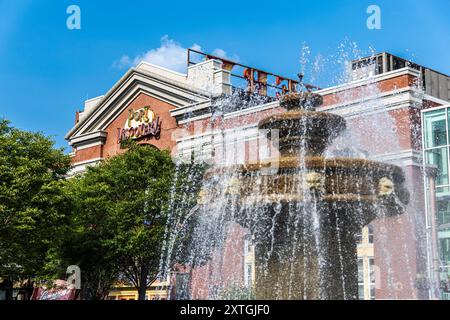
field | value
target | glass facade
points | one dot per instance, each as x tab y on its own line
436	151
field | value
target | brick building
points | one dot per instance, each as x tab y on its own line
198	114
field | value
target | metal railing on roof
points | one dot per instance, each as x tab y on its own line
257	80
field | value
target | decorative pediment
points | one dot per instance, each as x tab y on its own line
134	83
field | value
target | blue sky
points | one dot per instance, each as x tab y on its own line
47	71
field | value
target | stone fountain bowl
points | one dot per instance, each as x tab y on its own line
281	202
301	100
301	174
347	182
310	129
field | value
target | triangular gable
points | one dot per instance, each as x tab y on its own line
132	84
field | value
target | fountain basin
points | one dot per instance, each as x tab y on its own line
369	183
303	209
304	100
310	130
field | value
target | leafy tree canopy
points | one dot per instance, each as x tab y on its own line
122	207
31	198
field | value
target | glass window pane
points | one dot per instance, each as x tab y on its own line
360	271
361	292
358	238
444	255
248	276
372	292
443	207
372	270
442	191
439	158
444	247
434	129
448	117
370	228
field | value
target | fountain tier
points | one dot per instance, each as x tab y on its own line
304	210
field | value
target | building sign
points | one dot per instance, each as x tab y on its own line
62	290
54	294
140	124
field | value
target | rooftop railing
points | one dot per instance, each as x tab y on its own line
255	81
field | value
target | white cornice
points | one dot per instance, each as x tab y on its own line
369	81
262	107
190	108
80	167
197	118
87	145
93	99
98	137
403	158
388	100
434	99
242	130
87	162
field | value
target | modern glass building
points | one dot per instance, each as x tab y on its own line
436	139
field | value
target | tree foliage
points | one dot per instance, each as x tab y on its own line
32	200
110	221
122	207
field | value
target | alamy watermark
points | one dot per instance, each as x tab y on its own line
73	21
374	19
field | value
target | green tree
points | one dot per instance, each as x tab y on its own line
123	205
32	201
83	243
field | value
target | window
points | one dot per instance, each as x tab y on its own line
436	144
372	278
248	246
361	279
434	129
248	275
370	233
366	278
359	238
444	244
365	237
439	158
443	212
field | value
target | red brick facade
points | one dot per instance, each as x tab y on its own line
399	261
112	147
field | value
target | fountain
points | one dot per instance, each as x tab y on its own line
304	210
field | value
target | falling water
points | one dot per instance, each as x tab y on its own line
216	240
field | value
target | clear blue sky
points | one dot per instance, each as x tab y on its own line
47	71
